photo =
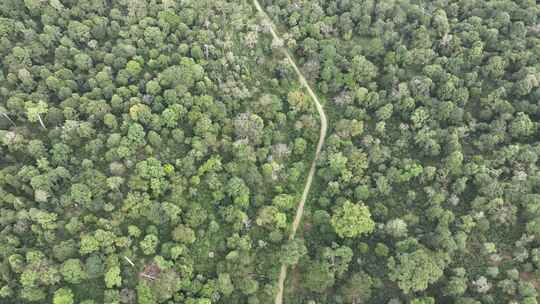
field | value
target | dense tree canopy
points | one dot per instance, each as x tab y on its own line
351	220
155	151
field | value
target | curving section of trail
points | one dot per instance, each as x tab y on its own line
322	137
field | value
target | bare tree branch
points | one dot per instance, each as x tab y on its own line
41	122
7	117
129	261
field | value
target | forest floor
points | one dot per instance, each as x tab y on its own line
322	137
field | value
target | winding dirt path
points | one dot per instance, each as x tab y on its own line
322	137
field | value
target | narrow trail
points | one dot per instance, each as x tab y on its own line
322	137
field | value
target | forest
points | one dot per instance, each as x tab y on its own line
172	151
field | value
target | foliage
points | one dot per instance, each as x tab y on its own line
155	151
352	220
416	270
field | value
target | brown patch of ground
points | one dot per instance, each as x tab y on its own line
150	272
530	277
307	226
295	278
